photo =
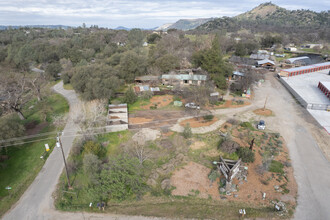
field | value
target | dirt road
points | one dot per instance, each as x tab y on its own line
311	167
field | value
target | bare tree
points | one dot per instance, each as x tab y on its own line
140	151
37	83
14	93
90	117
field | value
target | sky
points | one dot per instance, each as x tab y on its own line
131	13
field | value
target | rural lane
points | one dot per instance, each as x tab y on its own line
37	199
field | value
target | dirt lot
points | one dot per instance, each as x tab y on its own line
155	118
198	122
159	101
192	179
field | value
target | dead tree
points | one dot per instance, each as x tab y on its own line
14	93
89	117
37	84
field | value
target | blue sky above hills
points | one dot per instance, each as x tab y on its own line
130	13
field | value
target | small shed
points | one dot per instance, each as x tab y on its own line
237	75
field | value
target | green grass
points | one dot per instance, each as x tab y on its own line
68	86
180	207
24	161
276	167
114	139
137	105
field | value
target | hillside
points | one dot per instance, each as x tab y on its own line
268	16
185	24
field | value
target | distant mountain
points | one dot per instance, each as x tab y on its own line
268	17
185	24
122	28
164	27
5	27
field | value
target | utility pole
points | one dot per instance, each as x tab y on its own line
66	168
265	103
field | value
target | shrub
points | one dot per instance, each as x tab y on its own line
245	154
130	96
147	95
214	174
208	117
233	121
187	133
248	125
91	167
276	167
91	147
229	146
120	180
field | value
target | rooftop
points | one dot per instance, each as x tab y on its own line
265	61
306	67
291	60
185	77
326	84
238	73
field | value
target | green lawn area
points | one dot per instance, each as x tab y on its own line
24	161
137	105
68	86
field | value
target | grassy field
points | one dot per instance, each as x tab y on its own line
24	161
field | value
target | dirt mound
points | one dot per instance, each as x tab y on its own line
193	179
261	111
146	134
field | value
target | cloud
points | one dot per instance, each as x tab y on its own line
127	12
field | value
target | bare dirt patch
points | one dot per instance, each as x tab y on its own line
193	179
264	112
229	104
198	122
197	145
139	120
35	129
159	101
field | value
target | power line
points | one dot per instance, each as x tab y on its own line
76	133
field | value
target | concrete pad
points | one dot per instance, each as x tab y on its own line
323	118
306	86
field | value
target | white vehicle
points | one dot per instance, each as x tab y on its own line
261	125
192	105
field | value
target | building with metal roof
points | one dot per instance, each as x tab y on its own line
305	60
304	69
183	79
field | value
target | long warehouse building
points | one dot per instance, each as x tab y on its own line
304	69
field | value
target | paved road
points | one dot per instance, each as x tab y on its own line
37	199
